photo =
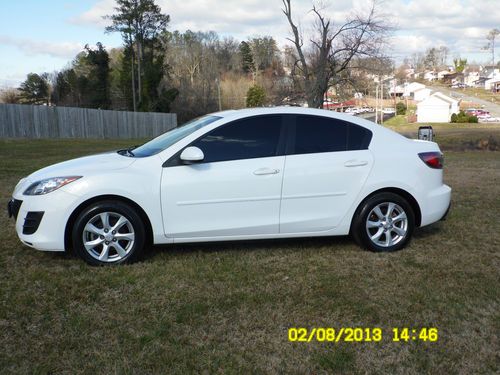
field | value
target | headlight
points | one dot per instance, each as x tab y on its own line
49	184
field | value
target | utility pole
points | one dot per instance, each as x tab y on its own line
376	103
394	92
382	103
218	93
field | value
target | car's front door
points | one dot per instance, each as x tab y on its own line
327	164
235	190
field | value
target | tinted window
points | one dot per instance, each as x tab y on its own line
319	134
254	137
359	138
167	139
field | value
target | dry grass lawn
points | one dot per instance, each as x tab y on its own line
225	308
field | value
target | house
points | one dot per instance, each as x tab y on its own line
492	84
442	74
489	75
430	76
496	87
397	91
437	108
410	72
480	82
453	78
489	71
470	78
415	91
492	79
410	88
421	94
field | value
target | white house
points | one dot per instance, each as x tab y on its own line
430	76
421	94
470	78
410	88
492	84
396	90
492	78
437	108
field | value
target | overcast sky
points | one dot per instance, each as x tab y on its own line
43	35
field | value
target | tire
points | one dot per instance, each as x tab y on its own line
383	223
109	233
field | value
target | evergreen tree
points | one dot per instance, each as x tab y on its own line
35	89
98	61
140	22
247	64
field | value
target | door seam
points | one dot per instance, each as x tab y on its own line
281	195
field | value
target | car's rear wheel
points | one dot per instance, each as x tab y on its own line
109	232
384	222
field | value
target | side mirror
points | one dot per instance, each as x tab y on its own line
192	155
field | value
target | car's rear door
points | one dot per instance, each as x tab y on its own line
327	164
235	191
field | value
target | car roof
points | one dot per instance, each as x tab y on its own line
247	112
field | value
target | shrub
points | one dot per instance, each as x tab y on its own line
256	96
400	108
463	117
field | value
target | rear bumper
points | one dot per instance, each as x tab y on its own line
435	205
446	213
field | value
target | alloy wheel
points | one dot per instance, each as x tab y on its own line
108	237
387	224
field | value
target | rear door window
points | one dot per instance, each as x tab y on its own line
317	134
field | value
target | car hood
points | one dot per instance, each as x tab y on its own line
83	166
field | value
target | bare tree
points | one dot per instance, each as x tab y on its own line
492	35
444	52
10	95
333	48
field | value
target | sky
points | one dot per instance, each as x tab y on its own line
44	36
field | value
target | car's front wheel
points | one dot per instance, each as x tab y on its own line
109	232
384	222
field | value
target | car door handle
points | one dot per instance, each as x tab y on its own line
355	163
264	171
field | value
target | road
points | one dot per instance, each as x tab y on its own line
371	116
493	108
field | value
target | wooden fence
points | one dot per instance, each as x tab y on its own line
32	121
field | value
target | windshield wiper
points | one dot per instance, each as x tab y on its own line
128	151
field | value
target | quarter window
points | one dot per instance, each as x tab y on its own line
359	138
254	137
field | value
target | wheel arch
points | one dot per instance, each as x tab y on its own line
403	193
82	206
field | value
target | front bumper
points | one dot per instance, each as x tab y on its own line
13	207
41	220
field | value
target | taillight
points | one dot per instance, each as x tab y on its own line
432	159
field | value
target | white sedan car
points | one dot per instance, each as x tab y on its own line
234	175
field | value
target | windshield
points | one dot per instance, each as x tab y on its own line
167	139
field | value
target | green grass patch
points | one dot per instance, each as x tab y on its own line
226	307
